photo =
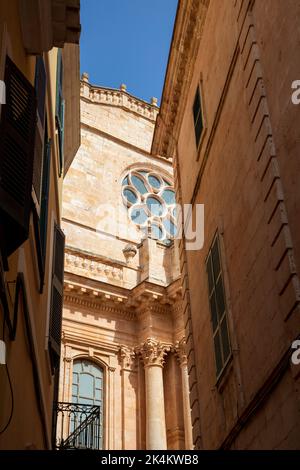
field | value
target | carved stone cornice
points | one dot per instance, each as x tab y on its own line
103	296
127	356
187	34
119	98
153	352
178	307
180	350
97	305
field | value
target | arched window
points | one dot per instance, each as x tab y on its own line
87	387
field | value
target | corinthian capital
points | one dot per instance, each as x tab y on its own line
153	352
126	356
180	350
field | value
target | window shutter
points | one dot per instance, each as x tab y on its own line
45	197
17	137
59	82
60	109
37	166
61	134
57	295
218	307
198	119
40	89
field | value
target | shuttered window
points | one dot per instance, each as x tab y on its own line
218	307
198	117
41	169
40	89
60	110
17	137
56	295
45	195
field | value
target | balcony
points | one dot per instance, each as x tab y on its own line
76	426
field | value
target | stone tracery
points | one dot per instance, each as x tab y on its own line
150	199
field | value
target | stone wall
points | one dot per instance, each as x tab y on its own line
122	306
244	171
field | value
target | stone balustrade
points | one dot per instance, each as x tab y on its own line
121	98
83	265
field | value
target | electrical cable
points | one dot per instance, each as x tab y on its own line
10	386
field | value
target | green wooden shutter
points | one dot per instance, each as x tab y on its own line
61	135
45	197
17	137
60	109
56	296
40	87
40	90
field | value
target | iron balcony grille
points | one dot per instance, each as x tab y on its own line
76	426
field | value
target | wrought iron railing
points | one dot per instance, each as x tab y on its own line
76	426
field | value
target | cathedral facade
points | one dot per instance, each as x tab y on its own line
123	342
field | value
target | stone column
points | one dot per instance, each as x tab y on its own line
153	354
110	427
126	356
187	419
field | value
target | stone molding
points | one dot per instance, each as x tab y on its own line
187	34
98	305
120	300
180	351
127	357
118	98
153	352
68	359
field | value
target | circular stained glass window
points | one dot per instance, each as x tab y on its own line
130	195
155	206
154	181
150	199
170	227
169	196
139	215
139	184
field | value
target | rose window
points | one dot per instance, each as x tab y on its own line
150	199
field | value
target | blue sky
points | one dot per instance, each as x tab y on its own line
127	41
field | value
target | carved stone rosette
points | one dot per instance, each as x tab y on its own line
180	350
126	356
153	352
